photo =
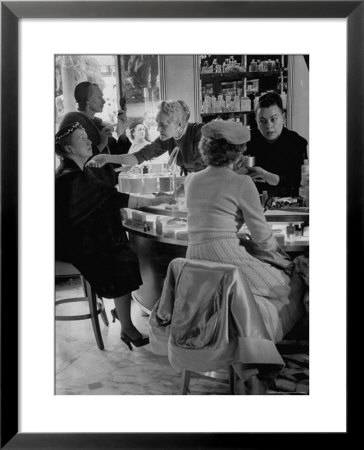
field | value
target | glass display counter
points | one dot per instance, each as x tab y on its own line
161	236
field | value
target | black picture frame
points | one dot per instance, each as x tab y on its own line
11	12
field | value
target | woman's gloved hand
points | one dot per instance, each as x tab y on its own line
162	199
141	202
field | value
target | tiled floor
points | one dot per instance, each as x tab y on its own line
82	369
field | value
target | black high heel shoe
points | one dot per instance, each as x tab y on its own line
136	342
114	314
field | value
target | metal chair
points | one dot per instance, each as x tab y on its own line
199	353
223	376
96	304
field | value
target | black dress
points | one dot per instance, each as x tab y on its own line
89	232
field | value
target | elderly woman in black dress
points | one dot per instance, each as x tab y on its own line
89	232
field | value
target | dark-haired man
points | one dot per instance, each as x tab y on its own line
279	152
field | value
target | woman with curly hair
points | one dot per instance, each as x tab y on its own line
175	131
219	201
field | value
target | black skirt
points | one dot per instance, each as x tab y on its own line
111	275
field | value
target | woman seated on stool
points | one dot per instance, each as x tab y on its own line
88	228
218	202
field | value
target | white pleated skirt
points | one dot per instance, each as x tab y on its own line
278	295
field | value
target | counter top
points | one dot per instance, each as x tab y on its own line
154	236
161	210
295	246
272	215
279	215
156	251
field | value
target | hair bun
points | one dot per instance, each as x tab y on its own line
186	108
81	92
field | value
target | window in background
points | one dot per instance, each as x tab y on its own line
73	69
107	64
131	79
140	89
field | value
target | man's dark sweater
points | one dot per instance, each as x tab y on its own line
283	157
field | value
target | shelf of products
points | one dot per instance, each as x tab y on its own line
231	85
236	76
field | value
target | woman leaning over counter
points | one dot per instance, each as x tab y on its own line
175	131
218	201
88	229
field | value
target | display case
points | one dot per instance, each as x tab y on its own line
159	234
231	85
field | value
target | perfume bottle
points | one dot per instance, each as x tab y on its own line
290	232
158	226
264	197
297	230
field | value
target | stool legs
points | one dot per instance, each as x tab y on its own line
232	380
93	312
103	312
186	376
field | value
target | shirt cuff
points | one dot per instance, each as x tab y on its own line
133	202
139	157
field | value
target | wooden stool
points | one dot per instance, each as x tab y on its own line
95	303
229	379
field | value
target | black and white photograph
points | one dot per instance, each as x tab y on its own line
182	224
181	212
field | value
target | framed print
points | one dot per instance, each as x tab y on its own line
346	77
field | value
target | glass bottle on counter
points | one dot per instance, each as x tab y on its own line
304	189
264	198
290	232
158	226
298	230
